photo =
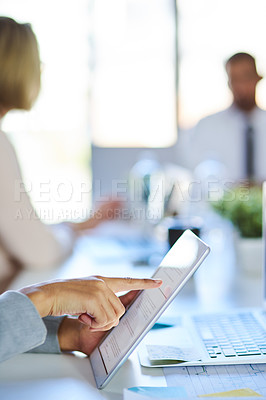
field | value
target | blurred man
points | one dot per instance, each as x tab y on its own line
235	137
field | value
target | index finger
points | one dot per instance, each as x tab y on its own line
121	284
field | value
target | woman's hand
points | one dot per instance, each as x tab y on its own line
93	299
75	336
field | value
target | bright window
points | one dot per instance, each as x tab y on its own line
134	75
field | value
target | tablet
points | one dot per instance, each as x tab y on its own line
179	264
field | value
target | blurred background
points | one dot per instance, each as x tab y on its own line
128	74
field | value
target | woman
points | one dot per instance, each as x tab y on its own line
23	238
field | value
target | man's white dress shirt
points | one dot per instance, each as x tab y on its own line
221	137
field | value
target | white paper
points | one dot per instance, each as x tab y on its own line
213	379
157	353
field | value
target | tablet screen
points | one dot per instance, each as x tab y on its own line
177	266
131	325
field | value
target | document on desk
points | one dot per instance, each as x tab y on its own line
165	393
204	380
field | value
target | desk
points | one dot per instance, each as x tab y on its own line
215	286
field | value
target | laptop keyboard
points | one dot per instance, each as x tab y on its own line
234	335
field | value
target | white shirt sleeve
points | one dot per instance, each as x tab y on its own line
22	234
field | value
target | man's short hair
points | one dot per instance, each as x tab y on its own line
238	57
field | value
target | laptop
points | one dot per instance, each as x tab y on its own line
235	337
179	264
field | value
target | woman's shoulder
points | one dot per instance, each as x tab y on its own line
8	156
3	138
6	146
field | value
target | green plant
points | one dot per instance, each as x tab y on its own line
243	206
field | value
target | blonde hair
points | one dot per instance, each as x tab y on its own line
19	65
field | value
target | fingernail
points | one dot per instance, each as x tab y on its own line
157	280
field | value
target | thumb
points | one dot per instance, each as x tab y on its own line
85	319
127	298
122	284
